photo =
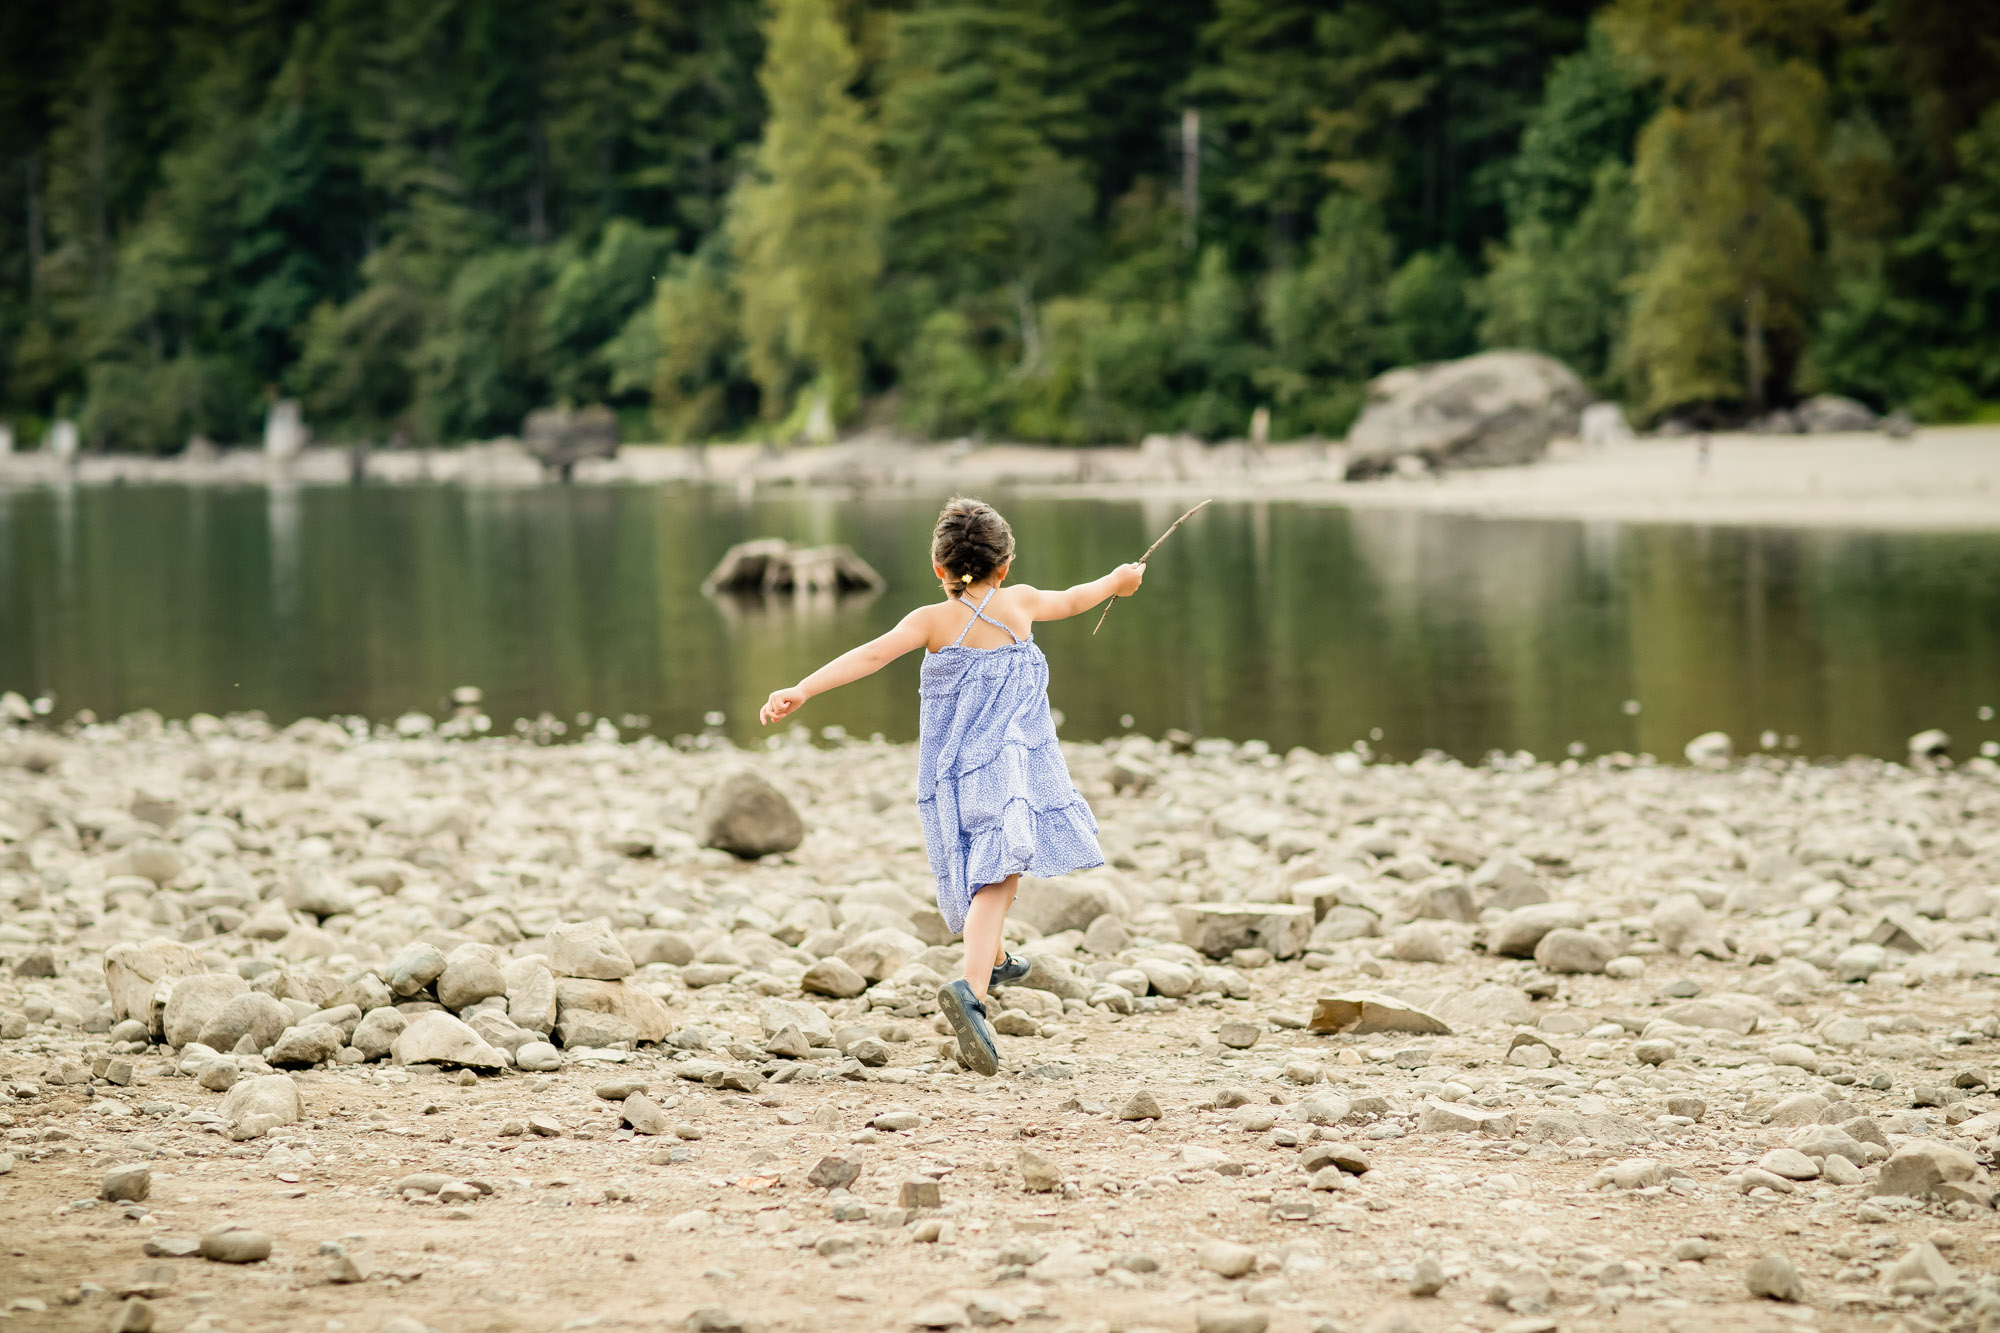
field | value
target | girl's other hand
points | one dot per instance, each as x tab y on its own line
781	704
1126	579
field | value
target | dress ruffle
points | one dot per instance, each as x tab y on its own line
993	791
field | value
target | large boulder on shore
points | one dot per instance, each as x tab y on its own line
1495	409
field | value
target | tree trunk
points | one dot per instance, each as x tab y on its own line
1031	333
1755	369
34	183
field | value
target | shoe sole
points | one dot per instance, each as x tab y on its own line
979	1055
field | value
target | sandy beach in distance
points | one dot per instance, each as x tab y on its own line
1943	478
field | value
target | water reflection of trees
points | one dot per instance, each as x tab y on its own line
1289	623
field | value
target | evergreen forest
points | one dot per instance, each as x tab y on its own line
1074	221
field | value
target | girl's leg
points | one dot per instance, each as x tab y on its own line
983	921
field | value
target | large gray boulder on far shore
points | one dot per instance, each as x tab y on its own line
1495	409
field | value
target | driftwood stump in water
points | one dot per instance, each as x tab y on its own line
559	439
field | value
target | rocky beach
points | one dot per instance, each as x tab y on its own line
381	1029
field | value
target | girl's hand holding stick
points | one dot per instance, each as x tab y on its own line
1149	555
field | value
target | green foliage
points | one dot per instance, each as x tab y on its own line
807	226
950	387
1329	321
1922	327
1591	111
1727	173
355	372
1218	352
595	297
700	365
1429	317
1558	285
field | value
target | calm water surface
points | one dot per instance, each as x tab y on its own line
1298	625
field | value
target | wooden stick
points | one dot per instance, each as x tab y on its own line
1113	601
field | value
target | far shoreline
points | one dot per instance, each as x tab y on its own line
1946	478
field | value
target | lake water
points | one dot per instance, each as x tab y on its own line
1299	625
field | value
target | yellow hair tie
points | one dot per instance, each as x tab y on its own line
965	578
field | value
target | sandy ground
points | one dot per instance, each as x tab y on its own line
1782	871
1942	478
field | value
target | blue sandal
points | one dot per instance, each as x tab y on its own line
967	1017
1012	968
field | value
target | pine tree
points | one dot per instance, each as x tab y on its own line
807	228
688	87
1558	283
1727	172
971	124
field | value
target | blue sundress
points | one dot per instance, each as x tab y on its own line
992	789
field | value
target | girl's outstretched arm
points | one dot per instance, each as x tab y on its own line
1120	582
851	665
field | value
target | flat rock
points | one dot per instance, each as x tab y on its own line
1573	952
1072	902
1442	1117
588	949
1231	1319
1719	1013
834	1172
1219	929
194	1001
834	977
438	1038
1518	933
236	1245
307	1044
624	1000
1789	1163
1922	1170
1361	1012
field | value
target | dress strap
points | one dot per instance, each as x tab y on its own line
979	613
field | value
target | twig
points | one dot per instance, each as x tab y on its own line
1113	601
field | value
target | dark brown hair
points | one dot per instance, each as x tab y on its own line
971	541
